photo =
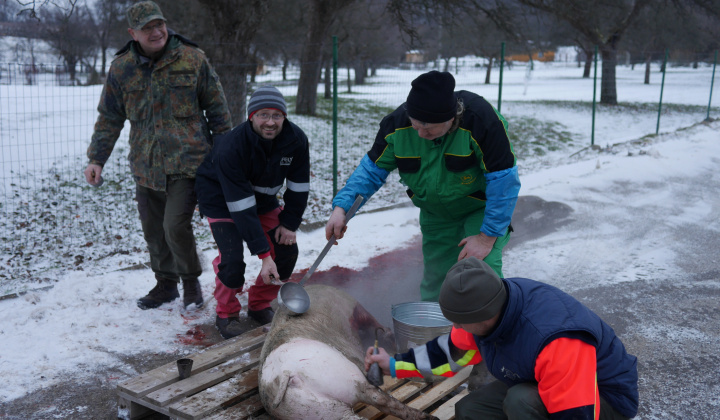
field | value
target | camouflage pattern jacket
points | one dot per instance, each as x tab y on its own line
173	106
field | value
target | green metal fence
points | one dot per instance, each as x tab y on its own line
52	221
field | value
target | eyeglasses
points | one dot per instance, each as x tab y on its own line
150	29
264	116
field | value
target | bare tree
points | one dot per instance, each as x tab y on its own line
35	9
108	19
70	37
234	25
321	14
603	24
367	38
279	38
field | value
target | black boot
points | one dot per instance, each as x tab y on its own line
263	316
229	327
164	291
192	293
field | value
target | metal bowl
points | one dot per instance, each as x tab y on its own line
294	298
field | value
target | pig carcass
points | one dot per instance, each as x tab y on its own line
311	366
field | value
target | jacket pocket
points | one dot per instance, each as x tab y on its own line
407	164
137	102
455	163
183	95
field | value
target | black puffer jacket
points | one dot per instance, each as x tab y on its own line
243	174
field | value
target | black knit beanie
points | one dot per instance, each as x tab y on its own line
472	292
432	97
266	97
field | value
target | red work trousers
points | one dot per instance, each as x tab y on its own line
259	294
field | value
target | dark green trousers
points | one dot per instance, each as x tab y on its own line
495	401
440	240
166	218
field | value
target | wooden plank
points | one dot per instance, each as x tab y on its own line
447	410
212	356
218	397
196	383
130	410
251	407
440	390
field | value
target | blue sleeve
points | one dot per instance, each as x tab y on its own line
366	180
502	193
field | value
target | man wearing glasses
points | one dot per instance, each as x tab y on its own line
173	98
237	188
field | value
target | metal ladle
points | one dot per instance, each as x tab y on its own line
292	296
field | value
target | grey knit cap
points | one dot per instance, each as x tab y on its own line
472	292
139	14
267	97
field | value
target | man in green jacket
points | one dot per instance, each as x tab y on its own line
453	154
164	84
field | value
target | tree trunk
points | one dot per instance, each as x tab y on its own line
349	80
328	78
322	13
104	63
235	28
647	69
588	65
310	66
360	72
232	68
489	70
608	87
285	65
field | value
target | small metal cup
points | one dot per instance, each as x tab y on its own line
184	367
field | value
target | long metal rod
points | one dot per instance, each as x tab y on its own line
662	87
712	82
592	129
502	64
330	243
335	114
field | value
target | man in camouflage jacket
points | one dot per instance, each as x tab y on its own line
173	98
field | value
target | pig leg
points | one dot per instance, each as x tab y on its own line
388	404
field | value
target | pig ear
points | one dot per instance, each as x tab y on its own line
281	389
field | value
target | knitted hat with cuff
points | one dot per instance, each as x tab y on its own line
432	98
266	97
472	292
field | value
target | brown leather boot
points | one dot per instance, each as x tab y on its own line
192	293
164	291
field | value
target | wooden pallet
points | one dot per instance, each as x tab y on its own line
223	385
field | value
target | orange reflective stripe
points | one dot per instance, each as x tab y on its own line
462	339
566	374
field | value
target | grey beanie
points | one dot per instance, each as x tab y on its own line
266	97
472	292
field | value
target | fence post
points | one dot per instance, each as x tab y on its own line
712	82
592	132
335	114
502	65
662	86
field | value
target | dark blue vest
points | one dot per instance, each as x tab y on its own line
537	313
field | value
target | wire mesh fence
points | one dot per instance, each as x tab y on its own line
52	221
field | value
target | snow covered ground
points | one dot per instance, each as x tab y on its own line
635	222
